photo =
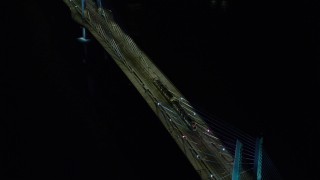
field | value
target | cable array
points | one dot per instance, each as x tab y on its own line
210	141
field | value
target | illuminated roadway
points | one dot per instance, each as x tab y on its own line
197	141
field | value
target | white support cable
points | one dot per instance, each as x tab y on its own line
175	120
248	148
208	116
250	155
248	158
116	49
169	109
197	150
270	166
209	135
221	133
231	131
223	127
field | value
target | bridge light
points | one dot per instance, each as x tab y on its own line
170	119
198	156
158	104
223	149
208	130
211	176
184	136
194	113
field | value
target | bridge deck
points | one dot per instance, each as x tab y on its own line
203	149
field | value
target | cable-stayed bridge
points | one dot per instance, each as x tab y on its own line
215	149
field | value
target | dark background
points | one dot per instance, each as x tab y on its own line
254	64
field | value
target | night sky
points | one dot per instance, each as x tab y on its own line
254	64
